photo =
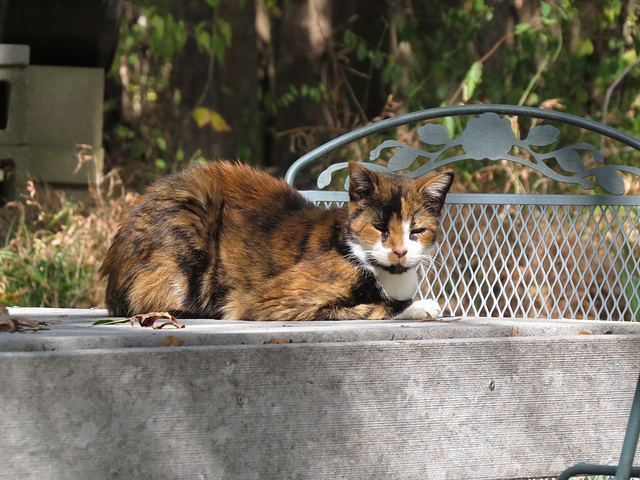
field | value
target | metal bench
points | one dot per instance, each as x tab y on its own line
523	255
517	255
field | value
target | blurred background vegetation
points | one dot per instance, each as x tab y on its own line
268	80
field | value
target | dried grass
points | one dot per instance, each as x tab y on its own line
52	245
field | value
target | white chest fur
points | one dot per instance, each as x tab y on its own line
401	286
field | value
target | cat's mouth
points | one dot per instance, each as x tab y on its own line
396	269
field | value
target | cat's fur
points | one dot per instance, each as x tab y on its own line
228	241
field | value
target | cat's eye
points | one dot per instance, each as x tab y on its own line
415	232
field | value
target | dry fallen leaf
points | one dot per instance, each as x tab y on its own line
171	341
4	311
20	324
584	333
276	340
149	319
7	325
552	104
514	332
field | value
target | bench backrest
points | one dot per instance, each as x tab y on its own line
533	255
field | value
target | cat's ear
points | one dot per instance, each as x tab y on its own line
361	182
435	189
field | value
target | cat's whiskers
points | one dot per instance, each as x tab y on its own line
431	263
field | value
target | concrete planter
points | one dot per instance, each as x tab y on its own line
477	399
49	113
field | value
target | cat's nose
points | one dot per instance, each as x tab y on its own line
400	252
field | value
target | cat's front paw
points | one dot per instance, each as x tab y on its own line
420	310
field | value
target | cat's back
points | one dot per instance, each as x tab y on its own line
242	185
203	196
235	182
267	226
194	228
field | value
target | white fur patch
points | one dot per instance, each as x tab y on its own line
402	286
420	310
358	251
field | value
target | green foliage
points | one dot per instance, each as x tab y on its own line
54	279
214	37
559	54
377	57
151	38
166	37
273	104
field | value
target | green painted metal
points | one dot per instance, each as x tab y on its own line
582	469
488	136
625	466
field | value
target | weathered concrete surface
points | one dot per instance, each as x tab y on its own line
361	399
71	329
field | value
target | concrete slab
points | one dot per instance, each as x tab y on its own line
70	329
477	399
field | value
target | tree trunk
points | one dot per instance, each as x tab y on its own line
300	40
229	89
305	54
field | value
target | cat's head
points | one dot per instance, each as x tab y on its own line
393	220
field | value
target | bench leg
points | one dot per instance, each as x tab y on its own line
625	469
623	472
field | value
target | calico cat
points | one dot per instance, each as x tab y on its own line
227	241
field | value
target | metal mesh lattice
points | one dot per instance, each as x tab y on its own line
538	261
534	256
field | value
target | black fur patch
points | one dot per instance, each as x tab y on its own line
398	306
367	292
193	265
281	205
336	240
117	300
384	210
302	246
393	269
192	206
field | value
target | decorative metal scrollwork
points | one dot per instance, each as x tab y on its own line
491	137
